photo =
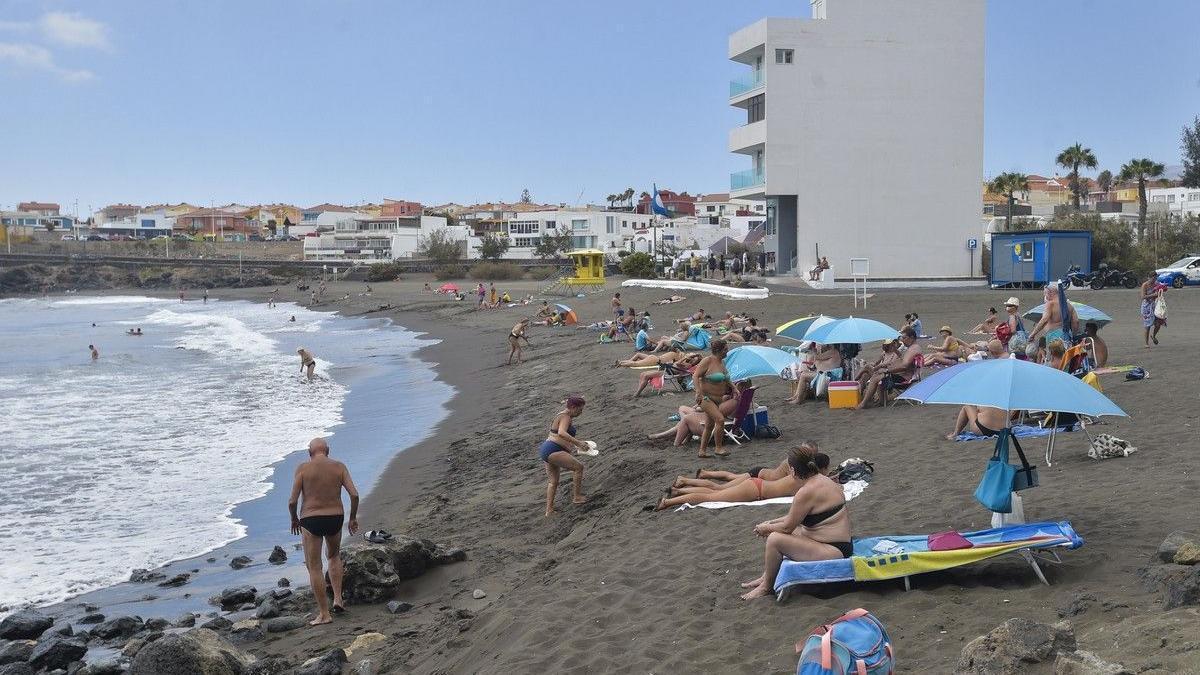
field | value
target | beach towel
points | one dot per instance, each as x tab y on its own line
1020	431
1109	370
851	489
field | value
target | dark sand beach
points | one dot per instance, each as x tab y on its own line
610	587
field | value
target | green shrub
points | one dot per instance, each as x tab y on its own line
638	266
543	273
383	272
493	271
623	253
447	272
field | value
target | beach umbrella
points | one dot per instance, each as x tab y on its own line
757	361
1086	313
569	317
796	328
852	331
448	288
1013	384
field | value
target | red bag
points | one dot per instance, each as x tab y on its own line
1004	333
948	541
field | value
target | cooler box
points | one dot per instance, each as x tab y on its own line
843	394
755	419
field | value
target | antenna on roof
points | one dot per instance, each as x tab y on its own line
580	197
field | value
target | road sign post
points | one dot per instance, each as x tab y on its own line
972	244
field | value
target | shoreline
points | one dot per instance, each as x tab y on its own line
209	570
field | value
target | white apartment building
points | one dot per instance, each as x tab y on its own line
1180	201
864	134
373	239
589	227
321	218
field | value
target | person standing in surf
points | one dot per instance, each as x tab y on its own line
307	362
95	354
320	481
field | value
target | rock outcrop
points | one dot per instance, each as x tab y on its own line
26	624
374	571
199	651
1013	646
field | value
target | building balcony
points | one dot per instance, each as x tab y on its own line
746	180
748	138
746	83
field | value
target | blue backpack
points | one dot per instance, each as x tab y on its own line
855	643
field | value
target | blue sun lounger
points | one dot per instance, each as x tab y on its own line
868	565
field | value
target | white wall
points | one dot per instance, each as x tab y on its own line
1176	200
877	127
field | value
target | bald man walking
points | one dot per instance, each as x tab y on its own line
320	480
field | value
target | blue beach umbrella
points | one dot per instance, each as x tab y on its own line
1086	313
852	331
1012	384
796	328
757	361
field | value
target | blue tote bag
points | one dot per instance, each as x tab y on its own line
995	488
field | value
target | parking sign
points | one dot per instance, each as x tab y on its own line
972	244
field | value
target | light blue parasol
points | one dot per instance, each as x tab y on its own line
757	361
852	331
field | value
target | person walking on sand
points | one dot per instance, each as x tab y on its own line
307	362
95	354
320	481
514	339
557	451
482	293
492	294
1151	291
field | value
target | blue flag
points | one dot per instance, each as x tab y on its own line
656	205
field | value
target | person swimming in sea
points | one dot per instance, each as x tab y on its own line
307	362
293	319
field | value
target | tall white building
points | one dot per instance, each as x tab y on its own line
864	133
1181	201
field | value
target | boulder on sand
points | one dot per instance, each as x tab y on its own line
20	668
1087	663
197	651
278	556
57	651
1171	545
237	596
26	624
122	626
330	664
16	651
1011	647
240	562
373	571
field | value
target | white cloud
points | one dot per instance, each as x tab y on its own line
73	30
34	57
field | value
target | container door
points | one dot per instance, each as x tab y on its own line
1039	261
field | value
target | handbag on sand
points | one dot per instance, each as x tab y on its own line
1106	446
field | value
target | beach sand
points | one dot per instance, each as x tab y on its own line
610	587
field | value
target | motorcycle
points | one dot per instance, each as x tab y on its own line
1077	278
1110	276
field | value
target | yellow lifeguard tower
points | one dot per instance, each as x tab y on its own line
588	274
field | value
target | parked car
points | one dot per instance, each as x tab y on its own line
181	237
255	237
1182	272
68	237
95	237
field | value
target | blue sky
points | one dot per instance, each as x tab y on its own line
305	102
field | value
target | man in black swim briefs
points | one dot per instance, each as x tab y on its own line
320	480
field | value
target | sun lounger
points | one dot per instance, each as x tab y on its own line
1020	431
868	565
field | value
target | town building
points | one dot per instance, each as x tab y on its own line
678	203
1180	201
115	212
375	238
321	218
864	134
40	208
213	223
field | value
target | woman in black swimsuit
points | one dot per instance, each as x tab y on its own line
980	420
816	527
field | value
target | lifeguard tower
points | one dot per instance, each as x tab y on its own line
587	276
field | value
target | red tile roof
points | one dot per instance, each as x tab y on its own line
37	206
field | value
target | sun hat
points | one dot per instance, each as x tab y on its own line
945	329
1013	301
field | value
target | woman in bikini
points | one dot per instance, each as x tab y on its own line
988	325
557	451
718	480
691	422
712	381
816	527
683	366
748	489
514	339
307	362
641	359
980	420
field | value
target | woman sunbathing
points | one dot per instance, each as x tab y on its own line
950	352
748	490
684	366
816	527
717	480
988	325
691	421
641	359
671	300
664	343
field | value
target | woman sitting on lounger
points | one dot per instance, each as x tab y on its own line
816	527
682	367
980	420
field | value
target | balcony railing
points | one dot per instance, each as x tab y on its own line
749	178
748	82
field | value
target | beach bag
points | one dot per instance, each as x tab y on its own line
1160	308
1137	373
767	431
1004	334
855	643
1026	475
995	487
853	469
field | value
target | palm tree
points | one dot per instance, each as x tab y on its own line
1072	158
1105	182
627	196
1008	184
1141	170
611	199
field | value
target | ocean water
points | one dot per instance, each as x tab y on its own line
142	457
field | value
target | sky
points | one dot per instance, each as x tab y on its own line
349	101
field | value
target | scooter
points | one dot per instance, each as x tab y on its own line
1077	278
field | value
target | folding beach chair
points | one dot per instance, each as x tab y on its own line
682	378
733	425
899	387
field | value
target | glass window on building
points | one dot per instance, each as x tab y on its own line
579	224
756	109
610	224
784	56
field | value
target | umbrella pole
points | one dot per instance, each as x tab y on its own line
1050	442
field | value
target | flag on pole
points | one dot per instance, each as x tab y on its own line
656	205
